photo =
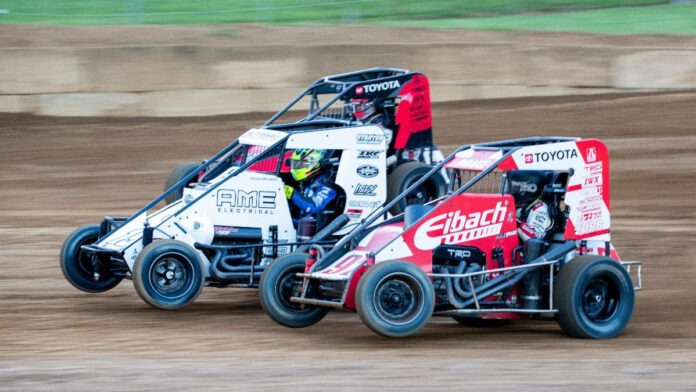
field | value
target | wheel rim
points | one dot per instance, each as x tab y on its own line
84	262
398	299
171	275
420	195
290	286
600	299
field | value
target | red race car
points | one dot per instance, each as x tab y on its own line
524	232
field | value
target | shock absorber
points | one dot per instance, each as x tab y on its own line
531	299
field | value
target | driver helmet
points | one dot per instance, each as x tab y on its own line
305	162
526	185
361	108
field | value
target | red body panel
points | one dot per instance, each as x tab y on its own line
479	220
413	113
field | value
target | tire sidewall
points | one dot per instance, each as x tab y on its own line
271	297
380	274
572	283
404	176
185	256
70	256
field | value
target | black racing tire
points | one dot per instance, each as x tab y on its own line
594	296
278	283
395	298
177	174
77	266
404	176
168	274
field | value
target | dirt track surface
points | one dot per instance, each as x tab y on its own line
61	173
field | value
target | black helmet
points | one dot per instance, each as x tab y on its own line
527	185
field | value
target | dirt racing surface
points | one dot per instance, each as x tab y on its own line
59	174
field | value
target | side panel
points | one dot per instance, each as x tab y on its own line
480	220
246	200
413	115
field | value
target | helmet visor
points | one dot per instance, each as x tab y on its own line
307	162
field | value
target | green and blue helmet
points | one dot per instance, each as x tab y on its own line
305	163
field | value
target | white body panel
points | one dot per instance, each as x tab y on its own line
257	200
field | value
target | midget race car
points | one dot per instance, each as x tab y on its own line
225	220
461	256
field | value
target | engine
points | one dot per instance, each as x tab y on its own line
458	260
236	255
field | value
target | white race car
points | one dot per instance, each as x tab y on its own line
230	216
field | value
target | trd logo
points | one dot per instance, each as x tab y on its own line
242	199
365	190
367	171
459	253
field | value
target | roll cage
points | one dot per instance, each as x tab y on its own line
401	99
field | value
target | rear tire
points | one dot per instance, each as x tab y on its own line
404	176
168	274
179	172
395	298
279	283
595	297
77	266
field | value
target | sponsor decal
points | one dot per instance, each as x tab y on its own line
591	154
241	202
546	156
369	139
459	253
592	181
377	87
261	138
367	171
475	159
368	154
354	213
365	190
595	168
524	186
590	224
370	205
454	227
265	178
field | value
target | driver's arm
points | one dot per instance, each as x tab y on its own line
318	202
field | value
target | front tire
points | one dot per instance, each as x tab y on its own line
395	299
77	266
168	274
406	175
595	297
279	283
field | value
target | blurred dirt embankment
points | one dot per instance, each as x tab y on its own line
212	70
